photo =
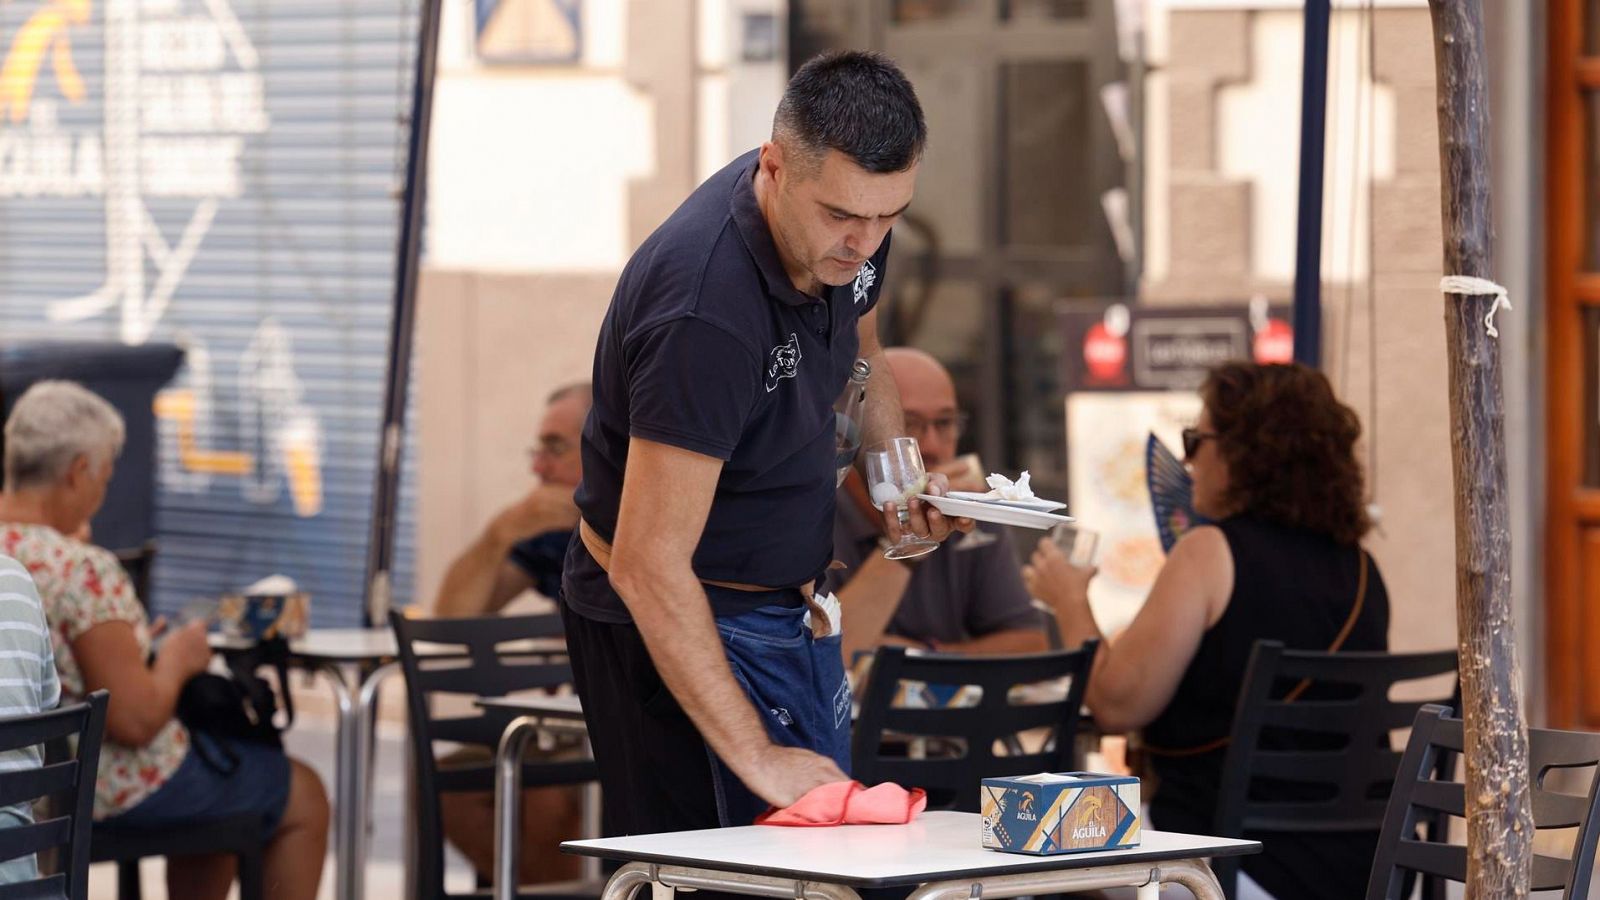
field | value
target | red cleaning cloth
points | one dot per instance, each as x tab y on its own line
850	803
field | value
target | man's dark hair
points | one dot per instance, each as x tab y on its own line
857	103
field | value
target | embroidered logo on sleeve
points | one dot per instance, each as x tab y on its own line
865	279
783	362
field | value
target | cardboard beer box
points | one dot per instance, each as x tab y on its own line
271	608
1068	812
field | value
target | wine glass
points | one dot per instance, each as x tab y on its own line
1078	544
895	474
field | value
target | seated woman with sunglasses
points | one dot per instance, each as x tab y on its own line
1275	471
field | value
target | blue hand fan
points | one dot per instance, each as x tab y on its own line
1171	493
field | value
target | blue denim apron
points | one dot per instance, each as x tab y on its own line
795	682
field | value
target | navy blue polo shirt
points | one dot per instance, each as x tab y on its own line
709	347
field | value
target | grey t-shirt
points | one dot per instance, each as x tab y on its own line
28	685
970	587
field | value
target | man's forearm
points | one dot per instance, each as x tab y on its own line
883	418
867	603
673	616
470	580
1011	640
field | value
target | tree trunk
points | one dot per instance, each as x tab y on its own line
1499	812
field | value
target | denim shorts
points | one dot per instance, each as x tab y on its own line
202	787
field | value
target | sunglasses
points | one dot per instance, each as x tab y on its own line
1192	439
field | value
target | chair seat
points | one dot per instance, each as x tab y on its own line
236	835
110	843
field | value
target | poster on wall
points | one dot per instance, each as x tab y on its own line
529	32
1129	372
1106	435
221	175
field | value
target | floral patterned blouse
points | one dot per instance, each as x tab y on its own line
83	586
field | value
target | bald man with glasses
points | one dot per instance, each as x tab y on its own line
524	545
967	597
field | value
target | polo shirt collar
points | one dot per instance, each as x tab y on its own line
757	236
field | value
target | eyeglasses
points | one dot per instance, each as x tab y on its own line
551	447
947	426
1193	438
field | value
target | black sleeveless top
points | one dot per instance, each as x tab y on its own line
1293	586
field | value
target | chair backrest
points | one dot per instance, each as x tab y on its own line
1425	790
471	660
1310	749
69	783
139	562
961	738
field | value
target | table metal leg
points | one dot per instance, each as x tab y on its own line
1192	874
1195	875
508	804
344	769
589	868
363	722
622	885
631	876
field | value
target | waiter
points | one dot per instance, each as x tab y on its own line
710	677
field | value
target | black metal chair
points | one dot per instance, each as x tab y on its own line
476	666
1425	793
1315	727
237	836
879	745
68	783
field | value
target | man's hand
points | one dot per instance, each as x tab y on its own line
782	775
548	507
925	520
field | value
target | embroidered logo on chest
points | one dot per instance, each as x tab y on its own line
865	279
783	362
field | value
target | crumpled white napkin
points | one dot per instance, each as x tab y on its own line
271	586
1003	488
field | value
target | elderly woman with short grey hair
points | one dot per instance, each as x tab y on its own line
61	444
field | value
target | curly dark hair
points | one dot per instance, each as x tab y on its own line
1289	445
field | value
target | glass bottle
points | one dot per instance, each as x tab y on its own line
847	419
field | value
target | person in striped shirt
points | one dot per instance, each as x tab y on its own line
28	685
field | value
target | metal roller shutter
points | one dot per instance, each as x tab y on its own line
225	175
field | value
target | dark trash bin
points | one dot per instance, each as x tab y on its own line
128	378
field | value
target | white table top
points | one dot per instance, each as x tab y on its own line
938	846
555	706
328	644
372	645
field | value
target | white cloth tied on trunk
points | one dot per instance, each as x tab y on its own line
1468	286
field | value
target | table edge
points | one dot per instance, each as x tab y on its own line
504	705
1026	864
